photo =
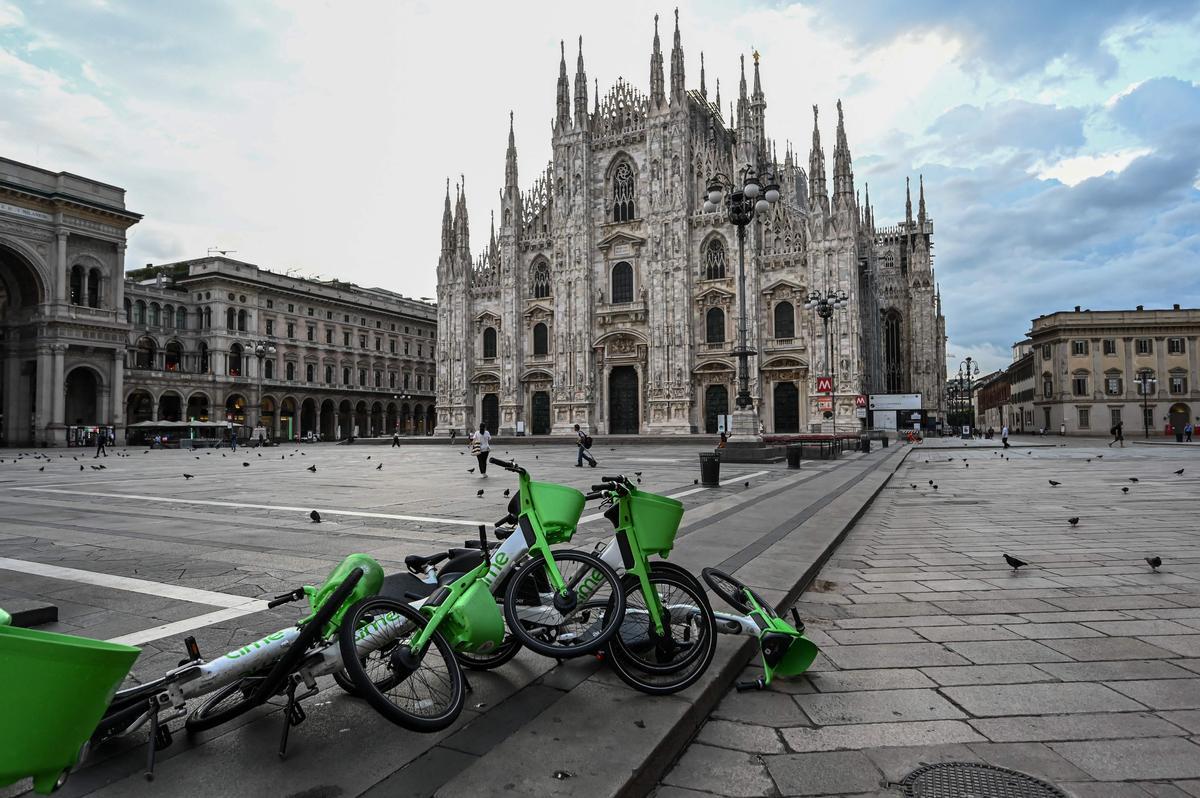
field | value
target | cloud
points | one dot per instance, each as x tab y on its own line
1009	39
1073	171
1155	107
1013	125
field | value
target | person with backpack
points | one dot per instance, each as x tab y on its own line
481	446
584	443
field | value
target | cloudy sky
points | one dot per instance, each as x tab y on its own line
1060	142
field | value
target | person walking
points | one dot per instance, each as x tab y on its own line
395	440
233	439
583	442
101	441
1004	435
1187	432
481	444
1118	433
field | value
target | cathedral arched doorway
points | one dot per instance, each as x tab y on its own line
786	403
170	407
1180	415
235	409
360	419
489	411
82	391
328	420
623	405
716	404
345	420
139	407
539	413
21	291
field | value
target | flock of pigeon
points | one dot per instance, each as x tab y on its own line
1154	561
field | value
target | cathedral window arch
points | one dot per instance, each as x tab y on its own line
539	279
622	283
785	320
77	285
714	326
541	339
489	342
893	357
93	288
714	259
624	191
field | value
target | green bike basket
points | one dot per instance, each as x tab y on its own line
558	507
655	521
54	689
476	622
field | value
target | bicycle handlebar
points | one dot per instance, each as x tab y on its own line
506	520
507	465
295	595
619	478
595	494
757	684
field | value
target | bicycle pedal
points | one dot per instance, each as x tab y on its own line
163	737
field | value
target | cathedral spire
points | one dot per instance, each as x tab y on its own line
921	206
718	100
563	119
818	195
581	109
703	89
447	224
657	92
462	228
493	247
597	87
843	173
907	204
758	107
677	87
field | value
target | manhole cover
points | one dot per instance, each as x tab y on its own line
974	780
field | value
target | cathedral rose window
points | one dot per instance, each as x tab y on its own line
539	278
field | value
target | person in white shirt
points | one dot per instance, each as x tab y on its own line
481	445
1004	435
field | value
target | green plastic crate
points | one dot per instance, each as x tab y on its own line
54	689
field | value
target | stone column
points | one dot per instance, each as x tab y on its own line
45	395
14	390
56	431
117	395
61	278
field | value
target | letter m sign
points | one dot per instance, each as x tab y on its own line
824	385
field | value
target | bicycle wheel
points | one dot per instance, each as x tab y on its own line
225	704
731	591
509	647
559	627
419	690
664	664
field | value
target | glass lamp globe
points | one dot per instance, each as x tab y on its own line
714	195
762	206
709	207
772	193
751	189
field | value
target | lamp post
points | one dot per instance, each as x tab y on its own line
1147	380
749	194
261	350
825	304
968	370
400	397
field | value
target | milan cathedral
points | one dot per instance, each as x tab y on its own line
607	297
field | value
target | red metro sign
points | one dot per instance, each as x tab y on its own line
824	384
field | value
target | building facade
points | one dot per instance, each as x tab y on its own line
1094	369
62	257
216	339
607	297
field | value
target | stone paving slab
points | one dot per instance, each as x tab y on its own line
1080	669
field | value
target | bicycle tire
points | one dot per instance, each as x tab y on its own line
517	599
210	714
729	589
653	676
277	674
372	690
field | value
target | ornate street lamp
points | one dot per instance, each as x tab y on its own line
968	370
261	350
749	194
1147	380
825	304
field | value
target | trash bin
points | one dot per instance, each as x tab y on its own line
884	440
865	444
794	451
710	469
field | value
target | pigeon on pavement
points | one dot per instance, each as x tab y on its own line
1125	489
1133	479
1054	484
507	491
379	467
1180	471
1013	562
1073	521
189	476
1154	562
470	470
479	492
313	468
315	516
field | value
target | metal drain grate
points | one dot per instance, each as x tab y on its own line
974	780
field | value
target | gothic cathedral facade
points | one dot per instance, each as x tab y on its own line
607	297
